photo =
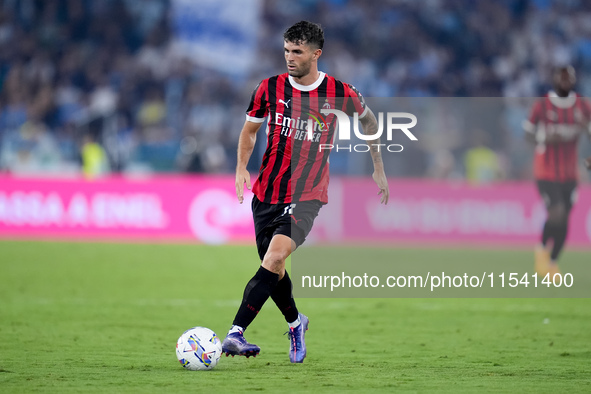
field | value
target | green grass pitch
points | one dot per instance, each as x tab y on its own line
99	317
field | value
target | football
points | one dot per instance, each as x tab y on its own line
199	349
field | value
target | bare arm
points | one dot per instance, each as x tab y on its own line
530	132
539	135
587	161
370	127
248	137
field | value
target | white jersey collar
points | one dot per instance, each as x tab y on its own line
307	88
562	102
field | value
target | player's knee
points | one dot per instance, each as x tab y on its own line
563	220
557	214
274	261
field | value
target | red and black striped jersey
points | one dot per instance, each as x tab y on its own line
567	116
294	168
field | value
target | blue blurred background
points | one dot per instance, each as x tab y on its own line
161	86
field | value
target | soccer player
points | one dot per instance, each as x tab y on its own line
554	125
292	183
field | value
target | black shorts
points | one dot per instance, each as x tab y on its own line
294	220
558	193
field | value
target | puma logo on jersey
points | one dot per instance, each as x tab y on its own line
284	103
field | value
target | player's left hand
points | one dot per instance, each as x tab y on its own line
379	176
587	162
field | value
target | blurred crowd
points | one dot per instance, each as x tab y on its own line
98	86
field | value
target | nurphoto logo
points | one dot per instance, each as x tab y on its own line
344	131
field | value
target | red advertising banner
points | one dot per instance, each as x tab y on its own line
444	213
205	209
175	208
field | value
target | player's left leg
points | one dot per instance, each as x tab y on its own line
297	322
282	295
296	225
280	248
561	220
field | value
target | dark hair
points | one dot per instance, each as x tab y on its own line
562	68
304	31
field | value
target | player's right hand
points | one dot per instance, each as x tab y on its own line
587	162
553	138
242	176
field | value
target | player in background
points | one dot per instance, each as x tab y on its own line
555	123
292	183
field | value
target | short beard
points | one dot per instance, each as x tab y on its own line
305	70
562	92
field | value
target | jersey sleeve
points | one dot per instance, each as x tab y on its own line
535	116
354	101
258	108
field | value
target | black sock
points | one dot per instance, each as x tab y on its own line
548	232
256	293
559	239
283	297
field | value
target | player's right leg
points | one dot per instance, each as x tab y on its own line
236	345
256	293
549	193
558	217
262	284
